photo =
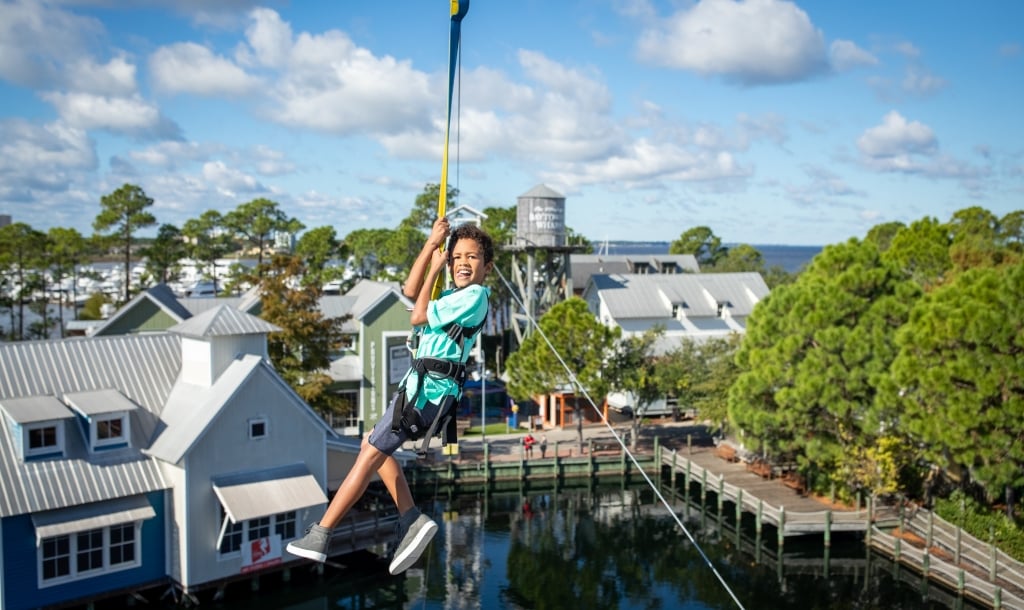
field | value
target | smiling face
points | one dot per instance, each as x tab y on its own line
467	263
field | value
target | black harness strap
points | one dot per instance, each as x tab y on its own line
406	416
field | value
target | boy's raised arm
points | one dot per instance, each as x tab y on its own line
413	283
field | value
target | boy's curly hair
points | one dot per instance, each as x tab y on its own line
471	231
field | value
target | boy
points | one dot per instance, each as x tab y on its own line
431	386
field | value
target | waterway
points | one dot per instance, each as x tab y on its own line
612	549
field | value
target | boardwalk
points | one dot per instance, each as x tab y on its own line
921	541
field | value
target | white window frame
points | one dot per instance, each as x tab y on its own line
55	449
277	523
253	421
74	574
94	431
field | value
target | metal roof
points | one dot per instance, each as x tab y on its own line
261	493
97	402
190	409
222	321
543	190
32	409
141	367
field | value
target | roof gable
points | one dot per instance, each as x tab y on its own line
223	321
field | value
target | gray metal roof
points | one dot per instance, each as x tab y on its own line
543	190
98	402
584	266
190	409
161	295
141	367
222	321
32	409
651	296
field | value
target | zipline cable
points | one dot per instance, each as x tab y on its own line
576	383
459	8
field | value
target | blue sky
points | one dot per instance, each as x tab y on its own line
770	122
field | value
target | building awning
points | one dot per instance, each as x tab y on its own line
91	516
268	492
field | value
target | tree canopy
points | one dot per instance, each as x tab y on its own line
122	214
578	340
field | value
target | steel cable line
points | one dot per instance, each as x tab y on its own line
576	383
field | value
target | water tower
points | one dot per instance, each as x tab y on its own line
540	268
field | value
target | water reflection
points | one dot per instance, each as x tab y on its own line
610	550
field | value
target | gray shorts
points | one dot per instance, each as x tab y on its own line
386	440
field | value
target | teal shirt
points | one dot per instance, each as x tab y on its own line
467	307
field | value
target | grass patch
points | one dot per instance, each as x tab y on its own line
495	428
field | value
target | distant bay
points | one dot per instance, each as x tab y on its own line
790	258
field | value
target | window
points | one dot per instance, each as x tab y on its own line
56	554
243	532
258	427
44	439
232	540
349	407
284	525
110	431
122	544
89	553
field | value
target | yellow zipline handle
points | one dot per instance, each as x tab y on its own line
459	8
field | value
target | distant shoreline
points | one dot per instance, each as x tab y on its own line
790	258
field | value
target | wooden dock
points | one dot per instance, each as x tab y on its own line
937	550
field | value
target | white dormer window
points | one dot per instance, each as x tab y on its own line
44	439
109	430
257	427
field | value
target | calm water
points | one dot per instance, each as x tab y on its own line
612	550
790	258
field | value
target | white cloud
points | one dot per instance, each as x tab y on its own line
919	81
88	111
229	181
333	85
115	78
269	38
751	42
897	138
37	41
846	55
911	147
32	150
187	67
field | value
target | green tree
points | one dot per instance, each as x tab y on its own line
921	251
633	369
399	251
122	214
743	257
958	380
578	340
317	248
256	222
364	246
22	250
164	253
207	240
424	210
702	243
66	249
812	357
883	234
301	350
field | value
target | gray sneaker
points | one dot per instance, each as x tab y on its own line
313	545
415	530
